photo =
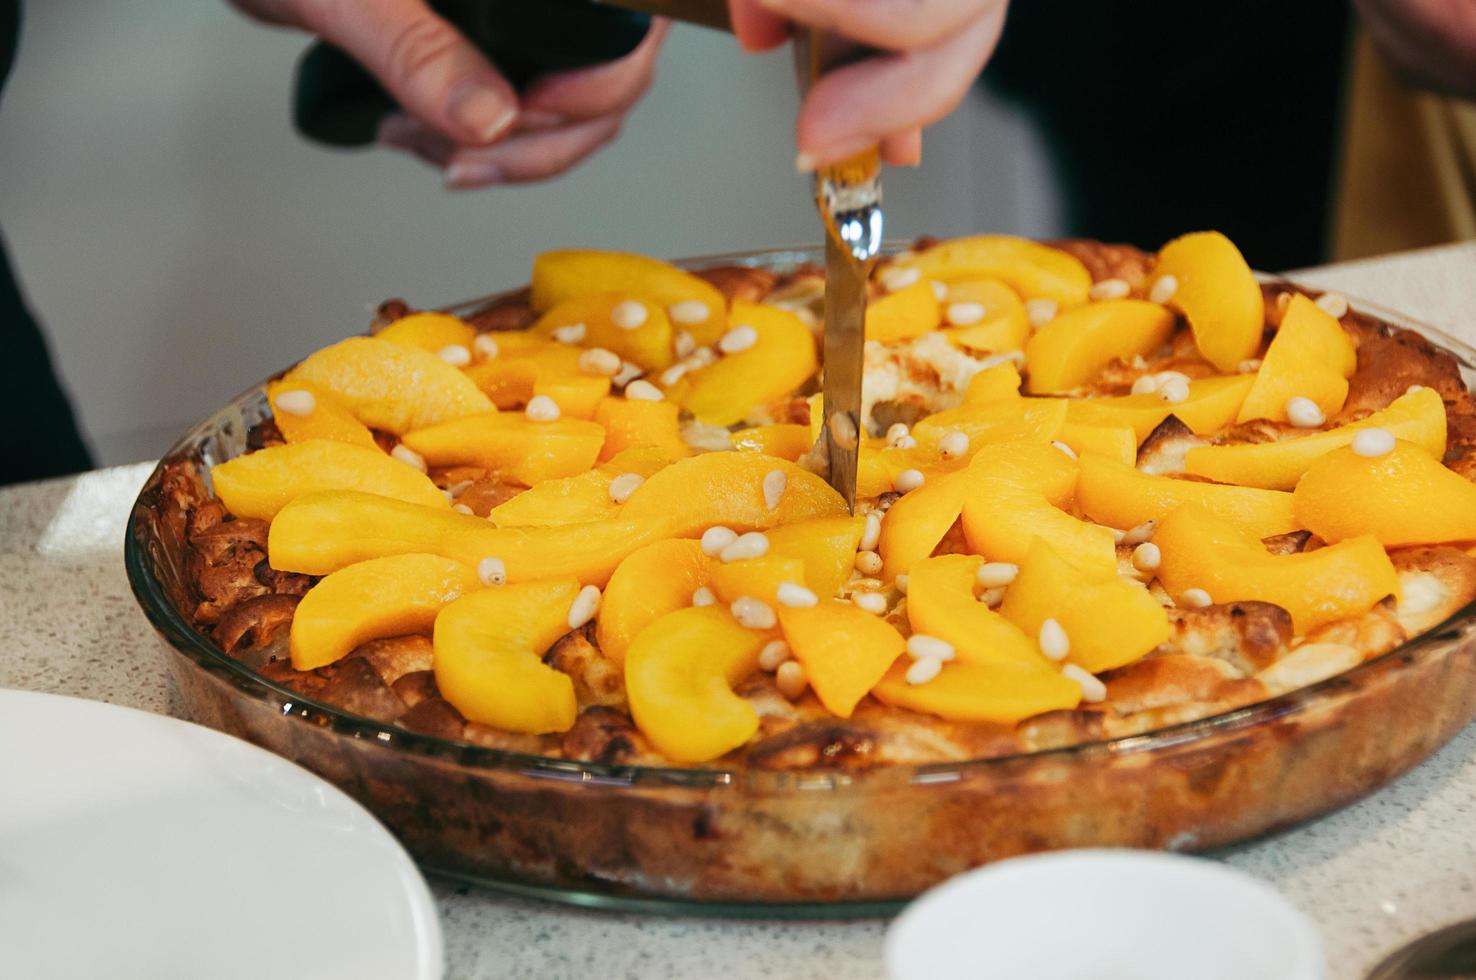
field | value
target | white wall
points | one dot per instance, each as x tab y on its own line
180	242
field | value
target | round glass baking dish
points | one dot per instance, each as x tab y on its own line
819	842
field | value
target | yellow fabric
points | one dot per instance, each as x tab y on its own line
1409	165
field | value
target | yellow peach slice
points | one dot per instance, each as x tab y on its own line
826	545
575	499
319	533
1212	404
701	309
1014	493
679	676
521	364
907	313
1404	497
370	600
327	419
633	424
577	395
1415	416
488	650
941	602
1217	293
1033	270
785	440
1004	325
1072	349
1108	622
1001	693
648	343
758	578
1120	496
915	524
1316	587
515	447
1007	420
393	387
693	494
1117	442
780	360
845	651
1311	356
992	384
260	484
430	331
651	582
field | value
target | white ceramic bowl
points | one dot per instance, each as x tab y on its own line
1100	914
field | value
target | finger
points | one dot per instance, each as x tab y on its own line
903	149
532	156
429	67
401	132
893	25
756	27
600	90
865	102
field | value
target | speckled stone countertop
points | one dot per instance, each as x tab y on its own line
1372	875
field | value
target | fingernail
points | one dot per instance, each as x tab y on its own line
464	174
481	111
539	119
806	163
396	130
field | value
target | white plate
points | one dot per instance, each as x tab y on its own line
135	845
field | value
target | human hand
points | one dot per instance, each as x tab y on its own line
1431	42
460	115
929	53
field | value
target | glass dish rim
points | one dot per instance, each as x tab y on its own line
176	630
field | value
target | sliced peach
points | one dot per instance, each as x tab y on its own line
679	675
941	602
1006	420
1001	693
631	423
647	344
915	524
992	384
1217	293
373	599
907	313
826	545
319	533
577	395
1072	349
522	362
1014	493
329	418
393	387
1311	356
1316	587
1403	497
1212	404
693	494
430	331
566	273
260	484
575	499
488	656
1004	326
843	649
779	361
1118	495
651	582
758	578
512	445
1108	622
785	440
1117	442
1033	270
1415	416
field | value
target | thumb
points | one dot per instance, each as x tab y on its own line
430	67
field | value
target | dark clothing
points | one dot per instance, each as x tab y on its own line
1165	117
41	437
